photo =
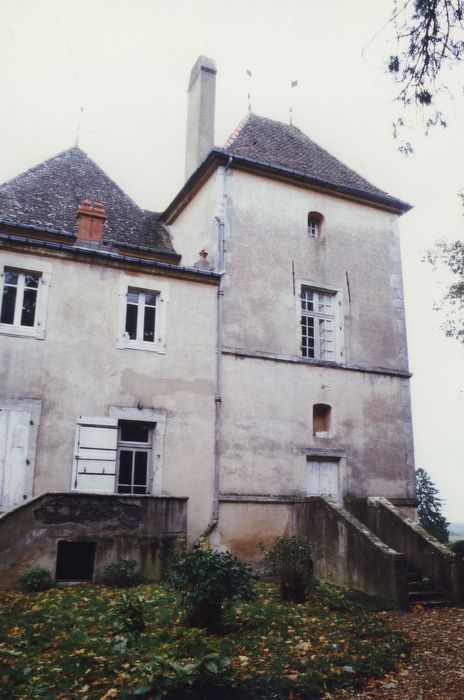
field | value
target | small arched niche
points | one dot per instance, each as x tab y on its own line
322	415
315	222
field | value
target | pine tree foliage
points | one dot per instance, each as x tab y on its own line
429	508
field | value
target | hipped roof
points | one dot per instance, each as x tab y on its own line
48	197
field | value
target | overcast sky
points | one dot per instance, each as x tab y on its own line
116	71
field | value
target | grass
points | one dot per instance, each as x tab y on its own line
69	643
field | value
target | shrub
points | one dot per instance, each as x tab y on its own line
128	612
37	579
208	581
121	573
289	561
457	547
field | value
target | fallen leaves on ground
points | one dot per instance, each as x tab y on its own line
435	669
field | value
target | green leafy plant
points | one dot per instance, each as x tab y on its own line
289	561
208	581
64	642
128	612
121	573
336	598
37	579
457	547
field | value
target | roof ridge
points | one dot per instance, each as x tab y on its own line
61	154
238	129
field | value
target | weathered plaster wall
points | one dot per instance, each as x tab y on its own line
245	526
196	228
268	428
78	370
268	221
267	404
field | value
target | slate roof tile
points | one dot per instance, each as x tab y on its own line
48	196
284	145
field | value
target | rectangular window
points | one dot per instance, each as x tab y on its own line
140	315
317	324
19	298
134	457
143	303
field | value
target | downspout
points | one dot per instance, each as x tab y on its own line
222	222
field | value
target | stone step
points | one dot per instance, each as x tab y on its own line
420	585
433	603
428	594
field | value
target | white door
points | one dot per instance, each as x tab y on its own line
323	478
14	442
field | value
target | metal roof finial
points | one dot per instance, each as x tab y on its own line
293	84
250	75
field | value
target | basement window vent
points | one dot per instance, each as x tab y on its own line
75	561
321	419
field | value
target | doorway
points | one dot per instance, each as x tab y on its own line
75	561
323	478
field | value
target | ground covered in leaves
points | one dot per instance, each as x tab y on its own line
69	643
435	669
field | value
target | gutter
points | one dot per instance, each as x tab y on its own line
115	258
219	156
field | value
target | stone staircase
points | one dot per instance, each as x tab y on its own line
421	591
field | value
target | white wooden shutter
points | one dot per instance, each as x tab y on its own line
14	442
95	455
322	479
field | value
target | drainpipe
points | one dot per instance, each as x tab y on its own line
222	225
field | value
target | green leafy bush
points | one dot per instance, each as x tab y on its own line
208	581
37	579
128	613
121	573
457	547
336	598
289	561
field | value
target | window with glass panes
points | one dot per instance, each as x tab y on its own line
140	315
317	324
134	457
19	298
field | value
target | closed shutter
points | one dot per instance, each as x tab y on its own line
95	455
14	442
322	479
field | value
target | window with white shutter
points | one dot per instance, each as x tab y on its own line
95	455
19	422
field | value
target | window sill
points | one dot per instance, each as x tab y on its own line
140	345
22	331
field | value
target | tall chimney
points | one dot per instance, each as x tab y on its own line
200	113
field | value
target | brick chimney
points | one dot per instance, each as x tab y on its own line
200	113
91	218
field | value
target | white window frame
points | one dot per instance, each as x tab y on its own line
157	417
133	447
149	286
22	266
336	317
313	228
101	460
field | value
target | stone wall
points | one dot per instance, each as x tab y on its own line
423	552
148	529
348	554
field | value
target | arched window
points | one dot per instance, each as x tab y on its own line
314	224
321	419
